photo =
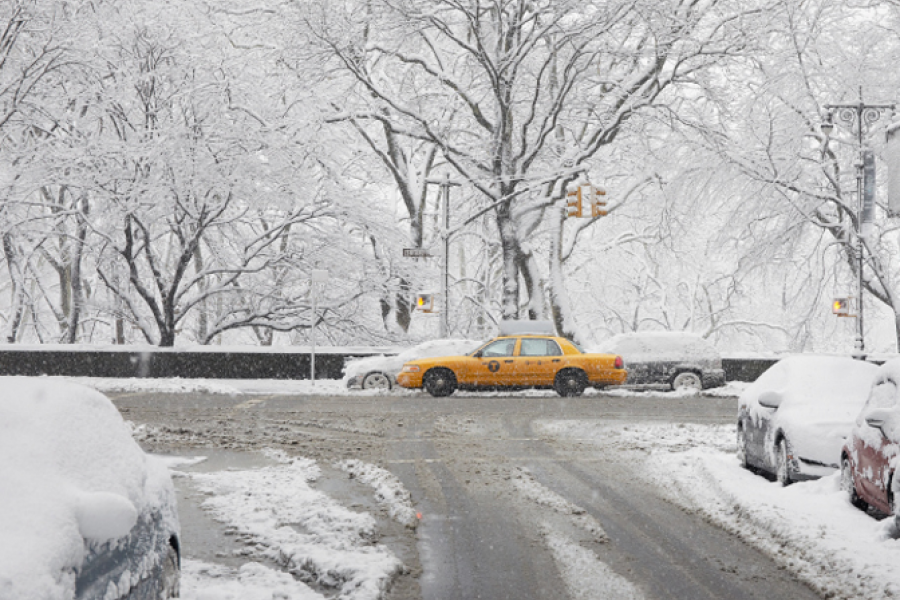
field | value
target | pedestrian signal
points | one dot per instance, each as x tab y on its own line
425	302
841	307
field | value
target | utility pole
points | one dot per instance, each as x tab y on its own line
445	184
859	118
319	278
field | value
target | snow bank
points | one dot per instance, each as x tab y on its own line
69	470
318	540
389	491
253	581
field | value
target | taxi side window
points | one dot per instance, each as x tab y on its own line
539	347
499	348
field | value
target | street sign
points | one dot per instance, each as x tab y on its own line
416	253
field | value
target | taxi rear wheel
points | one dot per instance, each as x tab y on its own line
570	382
439	382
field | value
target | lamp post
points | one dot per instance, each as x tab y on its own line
859	118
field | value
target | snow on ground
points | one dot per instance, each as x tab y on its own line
253	581
334	387
388	490
810	528
531	489
284	519
585	576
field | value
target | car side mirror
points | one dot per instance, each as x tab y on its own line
770	399
877	418
476	354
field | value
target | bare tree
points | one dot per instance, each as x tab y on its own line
492	85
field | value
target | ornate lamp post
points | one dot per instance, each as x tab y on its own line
858	118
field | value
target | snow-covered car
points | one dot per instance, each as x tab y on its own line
380	372
675	359
871	454
84	513
793	420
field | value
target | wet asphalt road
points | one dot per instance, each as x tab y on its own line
457	456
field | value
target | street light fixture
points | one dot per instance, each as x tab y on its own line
859	118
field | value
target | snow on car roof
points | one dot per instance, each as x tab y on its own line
836	386
70	470
660	345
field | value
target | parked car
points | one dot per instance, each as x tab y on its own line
516	361
869	457
792	421
380	372
84	512
678	360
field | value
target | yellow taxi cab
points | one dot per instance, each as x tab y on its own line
516	361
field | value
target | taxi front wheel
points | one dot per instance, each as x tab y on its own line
570	382
439	382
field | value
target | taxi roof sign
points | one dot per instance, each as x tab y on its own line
510	327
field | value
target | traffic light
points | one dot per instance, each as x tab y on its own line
841	307
598	202
425	303
573	203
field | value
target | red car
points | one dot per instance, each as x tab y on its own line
871	453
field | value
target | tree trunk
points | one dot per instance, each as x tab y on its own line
560	308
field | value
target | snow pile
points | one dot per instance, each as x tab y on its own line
389	491
253	581
70	470
284	519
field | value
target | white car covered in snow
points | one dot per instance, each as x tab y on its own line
84	512
380	372
793	420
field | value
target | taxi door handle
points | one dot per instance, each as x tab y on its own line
509	360
556	360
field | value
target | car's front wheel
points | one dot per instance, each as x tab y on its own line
376	380
782	466
849	487
439	382
570	382
171	576
687	381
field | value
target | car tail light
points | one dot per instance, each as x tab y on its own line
620	364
